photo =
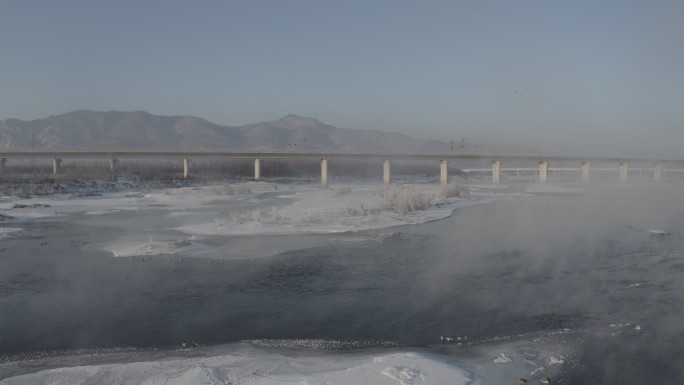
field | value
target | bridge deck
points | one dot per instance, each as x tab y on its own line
321	154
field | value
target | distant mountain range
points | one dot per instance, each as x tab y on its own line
139	129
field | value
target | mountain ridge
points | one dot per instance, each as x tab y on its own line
140	129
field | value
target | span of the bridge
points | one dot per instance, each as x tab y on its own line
657	165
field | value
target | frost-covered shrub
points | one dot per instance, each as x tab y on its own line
256	216
352	211
277	216
455	190
405	200
451	190
236	218
27	190
313	217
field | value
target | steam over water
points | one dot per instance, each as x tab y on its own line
580	270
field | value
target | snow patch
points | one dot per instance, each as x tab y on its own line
4	231
502	358
131	248
261	369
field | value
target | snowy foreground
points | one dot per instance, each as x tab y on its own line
284	362
266	369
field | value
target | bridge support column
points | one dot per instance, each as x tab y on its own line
623	171
113	162
543	171
257	169
56	162
496	171
386	175
3	164
443	172
324	173
586	166
657	172
186	168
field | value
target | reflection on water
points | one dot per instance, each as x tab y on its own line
518	270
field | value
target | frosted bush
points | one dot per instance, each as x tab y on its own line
277	216
352	211
236	218
405	200
256	216
454	190
313	217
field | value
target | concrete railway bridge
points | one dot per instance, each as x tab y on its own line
539	164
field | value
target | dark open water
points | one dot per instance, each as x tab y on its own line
585	263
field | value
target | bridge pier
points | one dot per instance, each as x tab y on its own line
324	173
56	162
257	169
662	169
543	171
186	168
113	162
443	172
586	166
624	170
496	171
386	176
657	172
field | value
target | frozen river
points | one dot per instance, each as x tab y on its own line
564	283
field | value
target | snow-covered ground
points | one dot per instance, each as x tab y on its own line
261	369
248	208
271	362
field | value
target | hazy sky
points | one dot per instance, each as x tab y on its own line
582	74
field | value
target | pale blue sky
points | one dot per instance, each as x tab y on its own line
581	74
